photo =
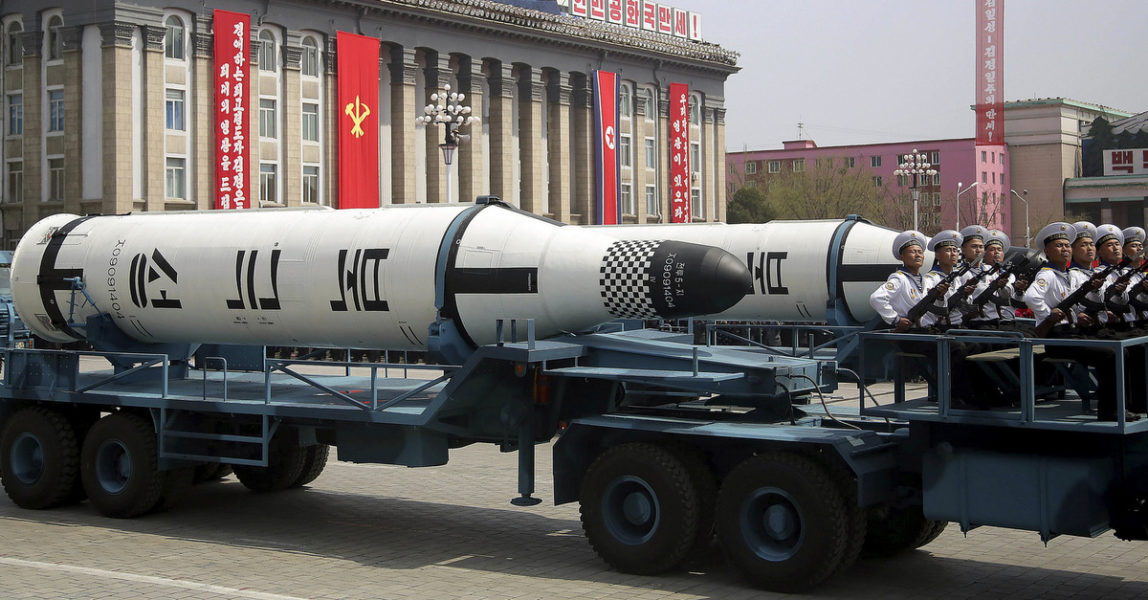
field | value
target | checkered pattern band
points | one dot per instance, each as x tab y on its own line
624	280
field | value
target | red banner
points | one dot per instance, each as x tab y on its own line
358	113
232	47
990	71
606	145
679	153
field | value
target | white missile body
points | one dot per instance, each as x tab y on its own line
818	270
350	278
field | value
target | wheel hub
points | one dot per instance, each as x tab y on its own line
113	466
772	523
27	458
630	510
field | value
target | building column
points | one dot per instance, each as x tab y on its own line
404	73
559	93
293	129
202	178
638	173
117	65
154	127
720	169
33	126
663	125
437	74
329	124
581	99
502	150
530	156
709	196
74	116
472	179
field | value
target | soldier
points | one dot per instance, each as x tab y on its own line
945	247
1052	284
1137	308
1083	248
1113	294
998	309
906	286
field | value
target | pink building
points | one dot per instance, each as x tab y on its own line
957	161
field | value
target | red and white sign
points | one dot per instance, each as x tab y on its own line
598	10
634	14
580	8
990	71
665	19
649	15
232	47
639	14
358	119
606	146
615	11
1132	161
679	153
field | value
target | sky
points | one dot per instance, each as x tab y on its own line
869	71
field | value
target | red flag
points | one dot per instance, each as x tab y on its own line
358	118
232	47
679	153
990	72
606	145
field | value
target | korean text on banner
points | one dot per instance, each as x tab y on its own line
606	146
679	153
358	120
990	71
232	47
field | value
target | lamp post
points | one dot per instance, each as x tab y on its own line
453	115
959	192
913	166
1025	200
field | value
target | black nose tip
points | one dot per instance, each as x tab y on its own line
691	279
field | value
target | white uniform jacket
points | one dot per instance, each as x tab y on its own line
899	294
1048	288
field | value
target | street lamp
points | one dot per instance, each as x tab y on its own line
914	166
1025	200
959	192
451	116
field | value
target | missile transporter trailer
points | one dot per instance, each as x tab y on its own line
669	446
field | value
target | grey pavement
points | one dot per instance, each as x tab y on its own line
372	531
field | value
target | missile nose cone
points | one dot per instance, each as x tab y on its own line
681	279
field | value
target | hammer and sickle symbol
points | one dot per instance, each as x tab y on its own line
358	112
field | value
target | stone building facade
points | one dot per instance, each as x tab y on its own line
108	106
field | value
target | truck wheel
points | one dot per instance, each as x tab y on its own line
176	482
284	465
856	517
39	458
640	510
894	530
82	419
782	521
119	466
314	462
705	547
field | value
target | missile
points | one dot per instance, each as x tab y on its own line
817	270
353	278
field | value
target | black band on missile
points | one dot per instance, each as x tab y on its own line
450	280
508	280
50	279
875	273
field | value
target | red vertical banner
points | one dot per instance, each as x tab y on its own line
357	73
606	146
990	71
679	153
232	47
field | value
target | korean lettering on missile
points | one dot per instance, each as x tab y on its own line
232	47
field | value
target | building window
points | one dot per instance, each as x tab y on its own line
848	162
266	118
696	157
15	114
825	163
937	179
310	122
751	167
994	177
15	46
310	57
625	102
874	161
15	192
648	101
311	184
267	51
775	166
935	157
902	180
627	200
984	156
652	206
55	40
695	112
174	110
696	208
936	198
624	149
173	38
55	179
877	181
994	157
798	165
267	181
176	176
984	176
56	110
651	154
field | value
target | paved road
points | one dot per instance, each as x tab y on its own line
366	531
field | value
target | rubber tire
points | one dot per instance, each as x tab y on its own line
705	548
807	556
857	518
130	439
284	465
60	456
82	418
652	473
895	530
210	473
313	464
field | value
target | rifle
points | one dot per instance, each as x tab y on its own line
1076	296
1133	292
1022	265
960	300
920	308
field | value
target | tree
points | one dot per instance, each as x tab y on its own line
825	192
749	206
